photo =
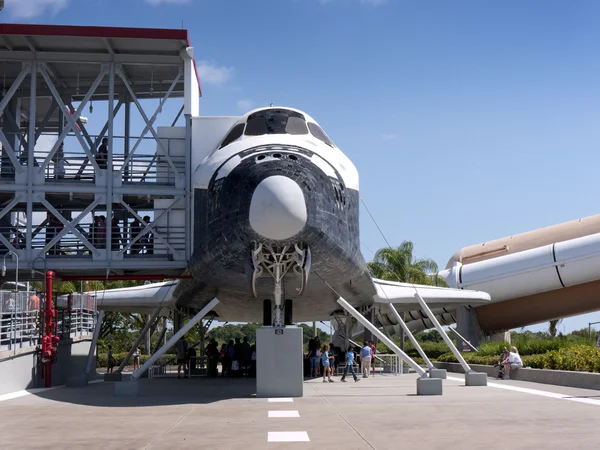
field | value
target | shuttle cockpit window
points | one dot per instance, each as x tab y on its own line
235	133
275	121
318	132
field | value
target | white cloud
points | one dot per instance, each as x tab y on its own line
167	2
27	9
388	136
245	105
212	74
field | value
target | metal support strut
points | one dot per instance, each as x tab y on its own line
410	336
373	329
171	342
440	330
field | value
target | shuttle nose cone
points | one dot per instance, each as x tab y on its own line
277	208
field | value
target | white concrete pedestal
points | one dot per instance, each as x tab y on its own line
437	373
429	386
279	362
128	388
475	379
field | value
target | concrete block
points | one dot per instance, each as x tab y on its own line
115	376
77	381
437	373
279	362
475	379
129	388
429	386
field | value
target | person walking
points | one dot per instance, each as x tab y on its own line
365	357
350	365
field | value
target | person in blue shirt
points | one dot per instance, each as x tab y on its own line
350	365
325	361
365	357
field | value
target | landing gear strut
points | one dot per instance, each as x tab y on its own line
277	262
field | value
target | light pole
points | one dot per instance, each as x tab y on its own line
16	294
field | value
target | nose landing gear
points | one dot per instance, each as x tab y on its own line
277	262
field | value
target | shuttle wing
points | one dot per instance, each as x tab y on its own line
402	295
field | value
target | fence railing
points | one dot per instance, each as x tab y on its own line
21	318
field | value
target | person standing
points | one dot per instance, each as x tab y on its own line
102	156
350	365
365	357
598	341
182	353
373	351
325	361
136	359
110	360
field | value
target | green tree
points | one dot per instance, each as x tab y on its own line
399	264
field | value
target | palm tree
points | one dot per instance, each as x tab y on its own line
399	264
553	326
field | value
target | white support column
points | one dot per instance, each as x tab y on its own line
31	159
440	330
410	336
175	338
189	194
95	336
109	164
373	329
139	338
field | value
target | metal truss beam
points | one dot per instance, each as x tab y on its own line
5	211
71	120
10	152
98	139
92	58
150	123
70	226
145	117
46	119
142	89
150	227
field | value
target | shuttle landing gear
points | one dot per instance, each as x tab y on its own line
277	262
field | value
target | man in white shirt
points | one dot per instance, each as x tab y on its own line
365	359
512	362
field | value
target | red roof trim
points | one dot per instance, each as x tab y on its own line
99	32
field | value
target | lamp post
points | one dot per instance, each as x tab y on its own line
12	321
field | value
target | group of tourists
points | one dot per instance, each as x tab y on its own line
237	358
325	359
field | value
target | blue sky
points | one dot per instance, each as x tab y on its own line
467	120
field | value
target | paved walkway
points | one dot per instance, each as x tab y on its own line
376	413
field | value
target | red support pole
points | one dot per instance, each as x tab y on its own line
49	341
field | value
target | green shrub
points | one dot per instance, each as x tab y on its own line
581	358
119	357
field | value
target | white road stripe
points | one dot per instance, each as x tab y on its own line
508	387
281	400
288	436
274	414
17	394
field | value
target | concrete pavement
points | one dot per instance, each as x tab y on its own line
376	413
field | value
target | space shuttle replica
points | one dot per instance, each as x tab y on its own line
276	240
276	231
